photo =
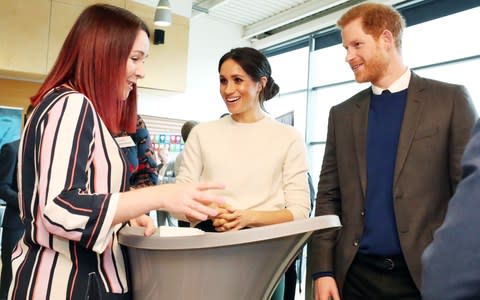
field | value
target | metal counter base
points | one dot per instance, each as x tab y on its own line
243	265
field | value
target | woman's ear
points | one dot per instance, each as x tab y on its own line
262	83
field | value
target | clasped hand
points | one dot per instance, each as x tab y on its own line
228	218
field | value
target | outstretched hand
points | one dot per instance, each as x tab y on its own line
192	200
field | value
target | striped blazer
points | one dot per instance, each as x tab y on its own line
71	171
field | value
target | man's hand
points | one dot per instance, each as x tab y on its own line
326	289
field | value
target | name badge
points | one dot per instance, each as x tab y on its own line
125	141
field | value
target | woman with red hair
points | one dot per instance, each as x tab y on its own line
72	175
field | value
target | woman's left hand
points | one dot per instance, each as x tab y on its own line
235	220
145	222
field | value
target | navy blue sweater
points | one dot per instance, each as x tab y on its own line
385	117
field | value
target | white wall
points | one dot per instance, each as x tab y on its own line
209	39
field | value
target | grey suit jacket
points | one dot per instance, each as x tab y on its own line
450	263
437	124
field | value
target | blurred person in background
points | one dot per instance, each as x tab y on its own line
185	131
140	154
12	226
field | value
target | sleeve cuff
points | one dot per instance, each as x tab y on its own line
317	275
105	236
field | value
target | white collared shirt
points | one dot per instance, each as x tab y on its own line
398	85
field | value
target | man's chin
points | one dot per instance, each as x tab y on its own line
361	79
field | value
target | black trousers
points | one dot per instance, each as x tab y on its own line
183	223
206	226
291	281
376	278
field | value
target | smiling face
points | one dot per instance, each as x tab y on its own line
366	56
135	62
239	91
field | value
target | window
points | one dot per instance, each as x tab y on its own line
290	72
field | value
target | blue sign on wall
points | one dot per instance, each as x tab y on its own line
10	124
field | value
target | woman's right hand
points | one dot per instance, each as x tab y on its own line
192	200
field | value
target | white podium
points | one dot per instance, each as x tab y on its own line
243	265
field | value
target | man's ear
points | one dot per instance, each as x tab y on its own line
387	38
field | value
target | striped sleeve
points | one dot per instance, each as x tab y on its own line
72	148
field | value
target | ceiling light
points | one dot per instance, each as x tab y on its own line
163	14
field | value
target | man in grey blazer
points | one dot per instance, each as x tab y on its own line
392	162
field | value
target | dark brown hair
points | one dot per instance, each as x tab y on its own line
186	128
256	65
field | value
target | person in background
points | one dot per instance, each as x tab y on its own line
185	132
166	176
261	161
391	164
162	154
451	262
140	156
12	226
72	175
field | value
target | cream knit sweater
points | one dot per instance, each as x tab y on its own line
262	164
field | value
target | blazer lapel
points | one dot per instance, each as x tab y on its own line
360	126
411	120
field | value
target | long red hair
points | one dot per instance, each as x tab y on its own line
93	61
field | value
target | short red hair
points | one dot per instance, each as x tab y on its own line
375	18
93	61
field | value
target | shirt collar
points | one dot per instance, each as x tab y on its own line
398	85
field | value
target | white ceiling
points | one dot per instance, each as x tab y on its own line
261	19
257	16
261	16
246	12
